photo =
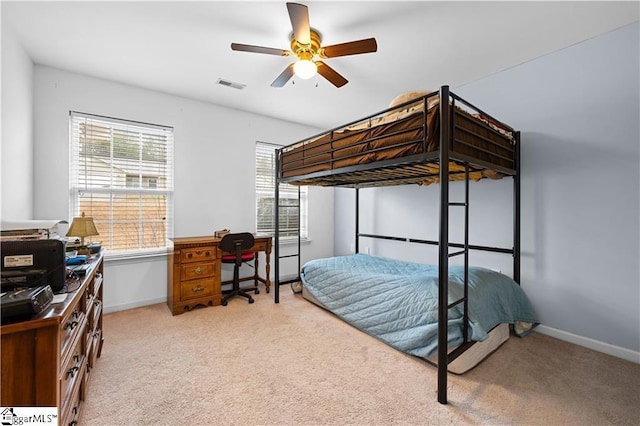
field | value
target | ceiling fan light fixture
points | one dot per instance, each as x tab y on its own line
305	68
305	46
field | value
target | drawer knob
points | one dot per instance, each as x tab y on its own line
71	325
72	371
198	270
197	289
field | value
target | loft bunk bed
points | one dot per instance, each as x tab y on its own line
407	144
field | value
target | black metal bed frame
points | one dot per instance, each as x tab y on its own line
442	157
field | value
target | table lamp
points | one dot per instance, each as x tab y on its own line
82	227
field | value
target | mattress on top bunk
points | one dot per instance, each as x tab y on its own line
398	133
397	302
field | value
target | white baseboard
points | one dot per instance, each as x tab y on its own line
596	345
116	308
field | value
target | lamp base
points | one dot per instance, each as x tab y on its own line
83	251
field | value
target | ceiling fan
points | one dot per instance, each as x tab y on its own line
307	48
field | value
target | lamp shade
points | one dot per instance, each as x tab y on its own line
82	227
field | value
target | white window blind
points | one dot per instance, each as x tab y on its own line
265	197
122	176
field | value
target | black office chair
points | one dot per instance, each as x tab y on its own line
236	243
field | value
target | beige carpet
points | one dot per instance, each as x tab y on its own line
294	363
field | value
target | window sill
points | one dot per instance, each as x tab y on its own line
135	257
288	241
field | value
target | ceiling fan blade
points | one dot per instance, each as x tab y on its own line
367	45
259	49
283	77
299	15
330	74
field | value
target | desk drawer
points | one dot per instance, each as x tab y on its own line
196	288
192	271
198	254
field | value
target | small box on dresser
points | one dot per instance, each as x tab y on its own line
47	360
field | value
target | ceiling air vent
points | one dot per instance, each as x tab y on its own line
233	84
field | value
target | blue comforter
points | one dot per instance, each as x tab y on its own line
397	302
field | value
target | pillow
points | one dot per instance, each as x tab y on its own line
406	97
414	107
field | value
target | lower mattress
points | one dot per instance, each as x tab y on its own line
468	359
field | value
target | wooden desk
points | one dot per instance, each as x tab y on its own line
194	271
262	244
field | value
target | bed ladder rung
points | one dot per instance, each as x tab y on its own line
458	351
288	255
457	302
458	204
457	253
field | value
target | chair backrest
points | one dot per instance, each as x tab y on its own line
237	242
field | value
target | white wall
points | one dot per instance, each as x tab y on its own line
214	169
578	112
16	149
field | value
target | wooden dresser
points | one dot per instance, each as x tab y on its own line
47	360
194	271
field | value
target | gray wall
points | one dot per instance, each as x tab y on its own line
578	112
17	129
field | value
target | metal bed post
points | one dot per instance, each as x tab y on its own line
299	232
465	316
357	246
276	212
516	212
443	247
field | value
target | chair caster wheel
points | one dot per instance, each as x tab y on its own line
224	303
256	291
250	300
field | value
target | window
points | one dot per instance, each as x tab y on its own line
122	176
265	196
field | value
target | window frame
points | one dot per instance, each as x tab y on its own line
161	139
262	191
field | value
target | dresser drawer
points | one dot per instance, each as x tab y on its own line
69	329
97	336
70	410
72	373
198	254
196	288
192	271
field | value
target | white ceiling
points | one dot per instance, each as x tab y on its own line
182	48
